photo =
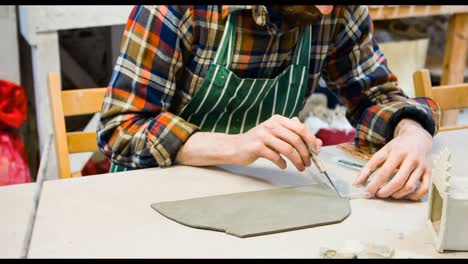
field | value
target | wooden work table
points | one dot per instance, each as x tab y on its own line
110	216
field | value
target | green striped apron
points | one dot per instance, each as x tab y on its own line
229	104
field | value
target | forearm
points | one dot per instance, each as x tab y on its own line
206	148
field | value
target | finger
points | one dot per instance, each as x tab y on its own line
425	182
273	156
411	184
377	159
299	128
400	179
294	140
285	149
387	169
311	140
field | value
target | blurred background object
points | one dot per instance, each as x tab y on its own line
14	167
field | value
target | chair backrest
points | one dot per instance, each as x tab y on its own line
72	103
448	97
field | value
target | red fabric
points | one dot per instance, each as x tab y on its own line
14	167
96	167
334	136
13	105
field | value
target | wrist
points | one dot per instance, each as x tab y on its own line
226	149
408	126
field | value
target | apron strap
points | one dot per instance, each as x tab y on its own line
302	51
228	41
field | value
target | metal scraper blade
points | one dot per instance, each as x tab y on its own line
331	182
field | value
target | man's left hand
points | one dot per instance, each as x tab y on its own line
409	152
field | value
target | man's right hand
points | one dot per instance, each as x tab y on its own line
275	136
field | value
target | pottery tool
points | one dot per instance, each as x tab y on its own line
318	163
350	164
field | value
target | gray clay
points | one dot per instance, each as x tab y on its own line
260	212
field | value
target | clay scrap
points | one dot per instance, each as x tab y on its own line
357	249
258	213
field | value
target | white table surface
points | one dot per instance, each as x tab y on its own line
16	205
110	216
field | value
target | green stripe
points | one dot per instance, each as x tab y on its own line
202	94
226	47
217	108
227	107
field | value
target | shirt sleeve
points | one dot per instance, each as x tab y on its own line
358	74
136	129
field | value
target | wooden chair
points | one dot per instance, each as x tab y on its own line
448	97
72	103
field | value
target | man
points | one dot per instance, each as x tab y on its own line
207	85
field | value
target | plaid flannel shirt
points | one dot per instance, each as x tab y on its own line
166	51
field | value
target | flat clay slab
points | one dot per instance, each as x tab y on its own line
260	212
